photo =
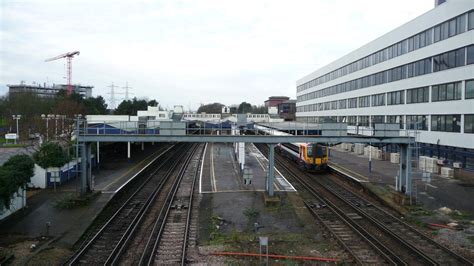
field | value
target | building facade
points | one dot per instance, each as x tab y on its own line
420	75
48	91
275	100
287	110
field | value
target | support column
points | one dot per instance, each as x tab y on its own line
271	169
98	155
143	146
242	155
128	151
83	182
408	181
90	184
402	178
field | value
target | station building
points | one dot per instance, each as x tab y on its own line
48	91
420	75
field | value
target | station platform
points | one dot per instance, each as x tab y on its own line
220	170
67	225
433	194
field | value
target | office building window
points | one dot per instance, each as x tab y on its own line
440	32
446	92
352	102
461	24
469	93
469	123
395	119
396	97
378	119
446	123
343	104
471	20
341	119
418	95
363	121
351	120
334	105
378	99
417	122
364	101
449	60
470	55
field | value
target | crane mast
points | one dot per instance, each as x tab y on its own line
68	57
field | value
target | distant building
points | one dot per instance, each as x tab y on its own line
287	110
275	100
48	91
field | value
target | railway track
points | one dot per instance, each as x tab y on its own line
168	242
351	218
108	243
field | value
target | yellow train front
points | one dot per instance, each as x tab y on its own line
312	157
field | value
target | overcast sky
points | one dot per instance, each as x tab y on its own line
189	52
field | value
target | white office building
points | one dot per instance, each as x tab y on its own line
420	75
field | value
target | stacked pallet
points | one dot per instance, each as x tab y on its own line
430	165
359	148
374	152
394	157
447	172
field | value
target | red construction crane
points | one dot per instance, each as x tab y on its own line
68	57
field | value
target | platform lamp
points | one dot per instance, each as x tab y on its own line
17	117
56	117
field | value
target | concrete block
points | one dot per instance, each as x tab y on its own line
359	148
447	172
395	157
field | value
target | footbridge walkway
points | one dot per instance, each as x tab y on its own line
127	132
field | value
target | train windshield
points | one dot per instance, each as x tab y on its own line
320	151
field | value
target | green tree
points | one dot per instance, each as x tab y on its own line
51	154
95	106
213	108
130	107
14	174
244	108
152	103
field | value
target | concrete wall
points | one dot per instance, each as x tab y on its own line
18	202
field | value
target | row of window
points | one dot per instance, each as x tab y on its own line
440	92
442	31
439	62
442	123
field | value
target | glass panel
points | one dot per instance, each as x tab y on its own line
437	33
434	94
469	89
460	54
471	20
461	24
442	92
452	27
468	123
457	91
444	30
429	35
450	91
470	54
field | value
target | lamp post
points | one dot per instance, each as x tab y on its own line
46	117
17	117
